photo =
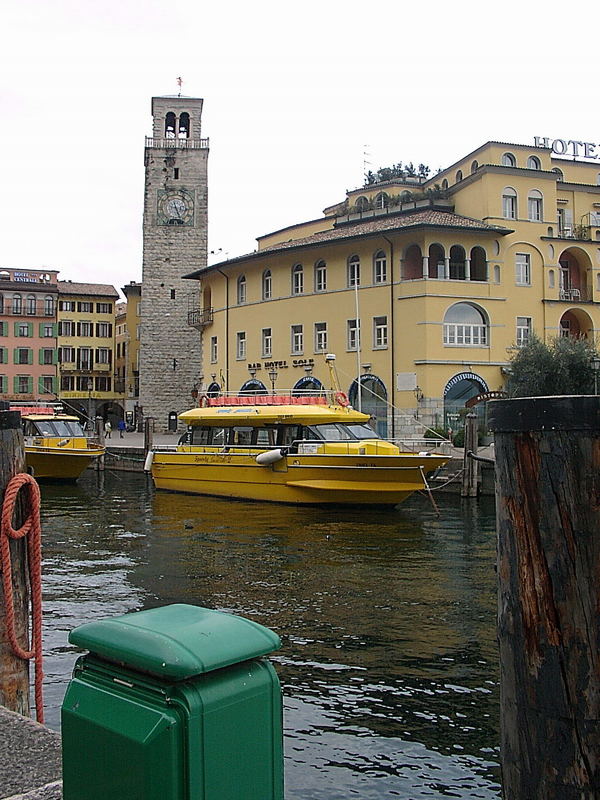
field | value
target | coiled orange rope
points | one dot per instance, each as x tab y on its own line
31	528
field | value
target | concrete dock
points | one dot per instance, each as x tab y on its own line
30	764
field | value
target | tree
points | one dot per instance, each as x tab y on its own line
565	366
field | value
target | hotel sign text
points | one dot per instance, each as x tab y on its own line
568	147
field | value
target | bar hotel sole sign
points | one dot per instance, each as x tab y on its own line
568	147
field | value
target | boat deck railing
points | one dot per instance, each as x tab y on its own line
278	398
346	447
420	444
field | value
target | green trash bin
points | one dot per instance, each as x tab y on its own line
174	702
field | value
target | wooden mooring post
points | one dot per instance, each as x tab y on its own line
148	434
14	671
470	481
548	518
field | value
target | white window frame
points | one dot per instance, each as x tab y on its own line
353	271
320	337
321	276
462	334
297	279
522	269
297	340
352	335
241	290
534	208
380	333
214	349
103	355
380	267
267	285
240	345
267	342
523	333
509	204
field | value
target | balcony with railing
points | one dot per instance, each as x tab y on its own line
176	144
27	309
200	317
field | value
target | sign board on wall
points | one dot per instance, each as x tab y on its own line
406	381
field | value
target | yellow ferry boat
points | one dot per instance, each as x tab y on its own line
303	450
56	446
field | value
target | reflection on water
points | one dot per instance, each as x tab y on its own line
389	658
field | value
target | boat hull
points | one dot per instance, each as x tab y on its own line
50	463
297	479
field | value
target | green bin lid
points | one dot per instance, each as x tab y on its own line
176	641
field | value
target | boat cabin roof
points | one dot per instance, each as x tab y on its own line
44	417
259	416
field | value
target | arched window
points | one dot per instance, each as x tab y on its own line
170	125
474	167
354	271
478	264
362	203
49	306
559	174
253	386
267	285
379	267
382	200
320	276
459	176
534	206
445	183
496	273
457	263
465	325
184	125
437	261
30	308
533	162
509	203
508	160
297	279
17	304
241	290
551	279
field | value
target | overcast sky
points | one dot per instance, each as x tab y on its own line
294	93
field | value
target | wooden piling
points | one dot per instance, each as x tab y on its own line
14	671
148	434
470	481
548	515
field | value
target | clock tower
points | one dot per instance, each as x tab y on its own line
175	240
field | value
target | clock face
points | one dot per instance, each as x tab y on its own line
175	207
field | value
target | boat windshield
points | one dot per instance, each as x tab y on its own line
54	427
340	432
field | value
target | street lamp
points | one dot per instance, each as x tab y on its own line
596	367
273	378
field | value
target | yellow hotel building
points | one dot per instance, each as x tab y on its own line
419	286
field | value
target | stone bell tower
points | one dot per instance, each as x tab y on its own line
175	240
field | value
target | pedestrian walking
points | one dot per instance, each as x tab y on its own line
107	429
122	427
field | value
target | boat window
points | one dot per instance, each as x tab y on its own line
218	437
362	432
45	428
289	434
241	436
200	435
265	437
332	432
65	427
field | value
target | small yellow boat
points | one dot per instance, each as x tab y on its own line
301	450
56	447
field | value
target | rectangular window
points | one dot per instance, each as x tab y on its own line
354	271
47	384
23	329
353	334
84	383
523	331
67	383
267	342
48	331
380	332
320	277
465	335
23	384
23	355
509	207
523	269
66	355
17	304
85	307
214	349
240	349
104	308
66	305
103	355
84	358
103	384
49	306
320	337
297	339
30	306
66	328
380	268
85	328
103	330
47	356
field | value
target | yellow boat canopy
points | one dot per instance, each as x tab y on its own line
259	416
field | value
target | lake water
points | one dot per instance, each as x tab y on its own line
389	663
